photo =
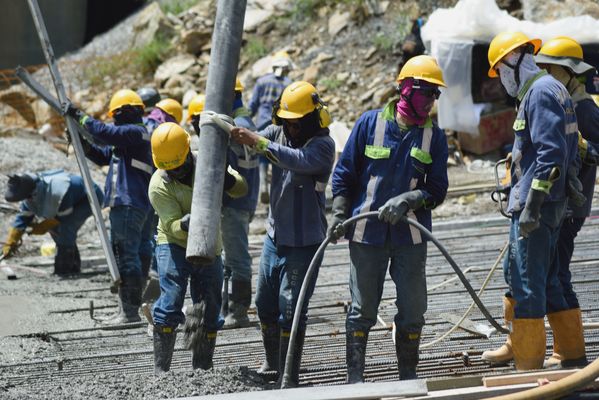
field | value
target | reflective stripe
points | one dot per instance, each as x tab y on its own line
377	152
519	124
427	137
421	156
571	128
146	136
141	166
543	186
320	186
115	175
68	211
27	213
241	163
379	139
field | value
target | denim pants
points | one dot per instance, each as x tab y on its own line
280	278
205	283
131	237
564	250
529	269
235	225
368	268
65	234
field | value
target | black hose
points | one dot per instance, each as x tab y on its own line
285	382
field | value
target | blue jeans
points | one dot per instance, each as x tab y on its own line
205	283
65	234
235	225
564	250
131	237
528	268
280	278
368	267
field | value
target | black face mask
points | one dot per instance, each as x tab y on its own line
306	128
184	172
128	115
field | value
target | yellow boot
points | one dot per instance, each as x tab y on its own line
503	354
568	339
528	343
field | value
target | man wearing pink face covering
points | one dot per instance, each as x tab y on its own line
395	161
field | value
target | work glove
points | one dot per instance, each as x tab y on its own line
13	242
531	215
185	222
341	208
73	111
574	188
587	155
398	206
44	227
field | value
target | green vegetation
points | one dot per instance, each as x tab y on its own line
176	6
255	49
149	57
383	42
330	83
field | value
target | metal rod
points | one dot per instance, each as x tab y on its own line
72	127
210	165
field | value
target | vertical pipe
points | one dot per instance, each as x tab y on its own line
209	177
72	126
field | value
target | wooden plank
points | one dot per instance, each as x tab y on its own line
529	377
37	271
360	391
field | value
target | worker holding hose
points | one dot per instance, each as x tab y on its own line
543	171
395	161
170	193
302	154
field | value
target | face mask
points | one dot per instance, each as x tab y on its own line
508	79
416	102
515	70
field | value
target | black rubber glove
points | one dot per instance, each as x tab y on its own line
396	207
73	111
341	206
185	222
574	188
531	215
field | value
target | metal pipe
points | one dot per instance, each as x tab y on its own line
209	177
72	126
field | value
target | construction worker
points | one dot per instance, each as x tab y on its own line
125	147
562	58
267	91
395	161
302	154
52	202
170	192
544	154
149	96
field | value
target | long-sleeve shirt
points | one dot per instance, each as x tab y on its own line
127	151
297	196
267	90
381	160
546	137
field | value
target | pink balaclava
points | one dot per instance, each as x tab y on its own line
421	104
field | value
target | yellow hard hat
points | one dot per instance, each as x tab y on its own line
506	42
196	106
563	51
423	68
170	146
238	85
281	59
172	107
297	100
124	97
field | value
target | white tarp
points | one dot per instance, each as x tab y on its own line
449	34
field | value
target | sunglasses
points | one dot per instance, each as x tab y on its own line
430	92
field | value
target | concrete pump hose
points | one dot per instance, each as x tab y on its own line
556	390
319	253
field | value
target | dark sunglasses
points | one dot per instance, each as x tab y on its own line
430	92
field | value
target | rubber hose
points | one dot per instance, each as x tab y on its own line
300	300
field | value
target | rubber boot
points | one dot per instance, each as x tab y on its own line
528	343
203	352
407	345
271	341
297	357
503	354
129	302
67	260
241	297
355	355
568	340
164	345
264	196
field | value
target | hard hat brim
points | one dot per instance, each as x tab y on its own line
288	114
579	67
536	44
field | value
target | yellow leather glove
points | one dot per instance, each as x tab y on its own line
44	226
13	242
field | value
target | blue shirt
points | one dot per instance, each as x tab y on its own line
546	137
379	163
297	195
128	153
267	90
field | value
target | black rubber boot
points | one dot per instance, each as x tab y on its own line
67	260
164	345
297	357
240	299
204	351
406	347
271	341
129	302
355	355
